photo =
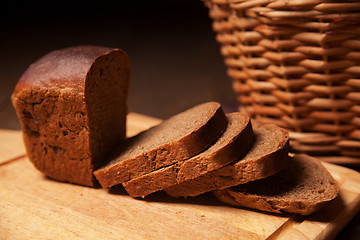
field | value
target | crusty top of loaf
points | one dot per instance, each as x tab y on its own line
64	68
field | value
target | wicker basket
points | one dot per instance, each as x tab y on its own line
296	63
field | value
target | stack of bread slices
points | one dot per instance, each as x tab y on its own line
72	106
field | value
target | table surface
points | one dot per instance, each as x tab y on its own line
37	207
171	48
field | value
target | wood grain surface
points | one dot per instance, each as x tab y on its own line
33	206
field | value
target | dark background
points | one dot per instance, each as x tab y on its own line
175	59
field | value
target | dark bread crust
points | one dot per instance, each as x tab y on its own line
72	107
234	143
148	151
303	187
257	164
60	69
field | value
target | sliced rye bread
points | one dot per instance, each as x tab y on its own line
234	143
177	138
72	105
303	187
267	157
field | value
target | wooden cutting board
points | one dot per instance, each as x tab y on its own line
35	207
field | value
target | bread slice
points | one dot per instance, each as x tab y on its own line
267	157
175	139
72	107
303	187
234	143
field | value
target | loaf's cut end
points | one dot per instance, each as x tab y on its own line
72	107
303	187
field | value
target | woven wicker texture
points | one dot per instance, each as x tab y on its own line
296	64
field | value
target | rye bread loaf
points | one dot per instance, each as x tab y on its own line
175	139
72	107
267	156
234	143
303	187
